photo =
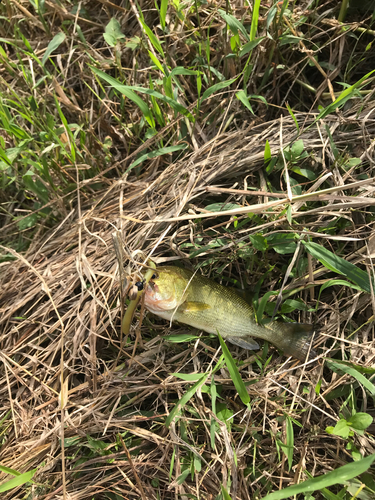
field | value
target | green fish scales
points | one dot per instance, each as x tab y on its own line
178	294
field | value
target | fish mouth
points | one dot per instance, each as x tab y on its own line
152	288
154	302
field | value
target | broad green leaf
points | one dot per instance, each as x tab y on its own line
341	429
17	481
339	265
218	86
353	162
234	24
27	222
133	43
259	242
360	421
197	463
35	185
155	154
185	398
71	441
297	148
224	414
357	422
234	373
56	41
309	174
12	154
282	243
290	305
337	476
113	33
350	370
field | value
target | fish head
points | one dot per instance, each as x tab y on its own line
166	291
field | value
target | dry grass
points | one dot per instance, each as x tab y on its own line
77	402
64	295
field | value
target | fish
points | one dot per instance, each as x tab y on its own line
178	294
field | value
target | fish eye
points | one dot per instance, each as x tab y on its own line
139	285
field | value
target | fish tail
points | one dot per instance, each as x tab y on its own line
294	339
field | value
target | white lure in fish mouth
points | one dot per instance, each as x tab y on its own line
155	302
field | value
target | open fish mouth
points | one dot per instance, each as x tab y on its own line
153	300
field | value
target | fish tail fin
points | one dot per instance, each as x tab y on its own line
295	339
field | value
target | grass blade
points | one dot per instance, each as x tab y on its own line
155	154
254	20
350	370
241	96
56	41
249	46
289	441
339	265
218	86
129	92
337	476
342	98
188	377
17	481
225	494
332	283
155	42
185	398
163	12
7	470
126	90
234	24
234	373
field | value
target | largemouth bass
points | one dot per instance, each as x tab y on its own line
178	294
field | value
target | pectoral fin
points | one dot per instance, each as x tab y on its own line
194	306
249	343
